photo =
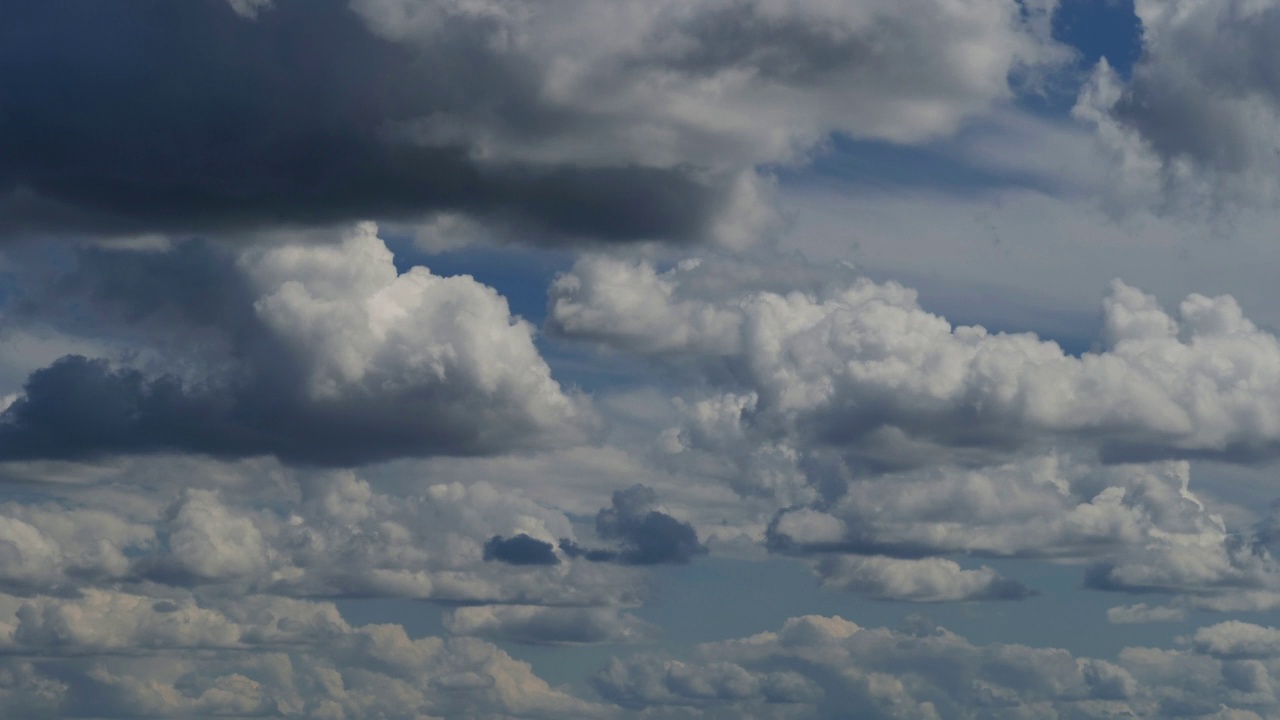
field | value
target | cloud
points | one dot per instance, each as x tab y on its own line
125	655
533	625
819	667
520	550
856	365
518	116
923	580
647	535
328	356
1235	639
1143	613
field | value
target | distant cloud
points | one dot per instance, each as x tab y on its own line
520	550
820	666
1144	613
549	625
916	580
1194	125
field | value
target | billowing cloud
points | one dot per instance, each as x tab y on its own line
320	354
862	367
645	535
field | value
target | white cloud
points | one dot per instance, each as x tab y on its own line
924	580
1144	613
1196	123
210	542
447	347
549	625
839	365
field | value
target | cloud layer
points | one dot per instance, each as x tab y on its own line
522	116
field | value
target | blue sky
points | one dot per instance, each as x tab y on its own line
647	359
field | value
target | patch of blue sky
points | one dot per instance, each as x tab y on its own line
1096	29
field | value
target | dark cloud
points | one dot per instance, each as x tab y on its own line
644	534
520	550
155	116
648	536
80	408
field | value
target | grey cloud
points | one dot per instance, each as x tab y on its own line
1197	118
252	657
149	117
276	355
648	536
214	116
520	550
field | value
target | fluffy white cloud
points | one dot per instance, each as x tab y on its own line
444	347
210	542
923	580
841	365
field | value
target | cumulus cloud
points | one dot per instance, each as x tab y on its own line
1144	613
329	356
922	580
858	364
645	534
1198	117
521	115
1235	639
882	430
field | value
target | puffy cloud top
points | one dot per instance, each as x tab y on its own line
328	356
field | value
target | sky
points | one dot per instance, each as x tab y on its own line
643	359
